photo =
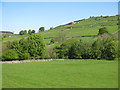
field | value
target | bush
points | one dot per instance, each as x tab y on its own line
110	49
24	56
80	50
64	48
36	45
6	45
16	46
96	49
52	41
102	31
105	48
32	46
9	55
23	45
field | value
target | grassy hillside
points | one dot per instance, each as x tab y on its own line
13	37
61	74
83	27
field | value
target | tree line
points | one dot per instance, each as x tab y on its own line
34	47
105	48
24	32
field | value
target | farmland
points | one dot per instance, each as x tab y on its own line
97	66
85	27
61	74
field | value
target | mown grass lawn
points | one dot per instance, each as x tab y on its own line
61	74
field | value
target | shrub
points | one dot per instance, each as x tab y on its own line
57	50
15	46
64	48
110	49
52	41
36	45
23	45
102	31
10	55
96	49
6	45
80	49
24	56
105	48
32	46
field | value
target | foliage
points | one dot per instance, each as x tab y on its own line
105	48
41	29
33	31
23	32
6	45
33	46
36	45
10	55
63	50
24	56
96	46
79	50
15	46
57	50
52	41
110	49
102	31
82	28
29	32
23	49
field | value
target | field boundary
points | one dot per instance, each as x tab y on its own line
16	61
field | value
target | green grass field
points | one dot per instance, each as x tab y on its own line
61	74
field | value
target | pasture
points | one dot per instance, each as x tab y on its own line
85	27
61	74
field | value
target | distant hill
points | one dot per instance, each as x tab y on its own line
80	28
6	32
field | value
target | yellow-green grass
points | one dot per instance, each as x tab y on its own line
61	74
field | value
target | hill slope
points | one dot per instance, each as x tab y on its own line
79	28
